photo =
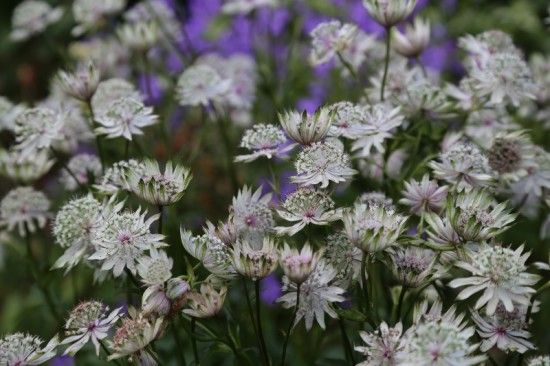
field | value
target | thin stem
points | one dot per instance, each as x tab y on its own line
194	342
228	153
347	343
66	167
97	137
422	67
126	149
151	352
347	65
161	215
180	351
364	282
291	324
107	352
258	316
386	62
397	312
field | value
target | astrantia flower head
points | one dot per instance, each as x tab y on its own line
322	163
205	303
200	85
381	346
255	263
37	129
376	198
125	117
31	17
380	121
20	349
424	196
483	125
8	113
441	233
24	209
89	320
475	216
316	296
139	36
464	166
306	128
114	178
156	187
122	238
246	6
414	41
511	155
348	120
85	168
298	264
155	301
80	84
373	228
24	168
501	274
389	12
264	140
306	206
73	228
176	288
344	257
109	91
250	211
413	266
91	14
329	39
504	329
211	251
156	268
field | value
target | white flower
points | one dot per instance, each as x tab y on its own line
322	163
80	84
414	41
125	117
389	12
329	39
255	263
206	303
109	91
380	121
24	168
122	238
199	85
91	14
246	6
304	128
306	206
24	208
264	140
156	268
37	129
316	296
344	257
376	198
176	288
348	120
498	272
440	231
539	361
21	349
139	36
503	329
511	155
155	301
211	251
8	113
89	320
114	178
424	196
250	211
83	167
413	266
31	17
483	125
298	264
382	345
158	188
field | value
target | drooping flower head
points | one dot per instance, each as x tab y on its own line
389	12
415	39
24	209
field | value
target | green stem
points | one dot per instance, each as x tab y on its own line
386	63
66	167
258	317
180	351
364	282
228	153
161	214
291	324
347	65
97	137
397	312
194	342
347	344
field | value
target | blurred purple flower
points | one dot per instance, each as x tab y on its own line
271	289
150	89
62	361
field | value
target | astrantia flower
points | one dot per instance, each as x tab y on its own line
176	288
464	166
90	14
211	251
305	128
86	168
348	120
511	155
31	17
156	268
255	263
80	84
8	113
155	301
423	97
501	274
21	349
125	117
373	228
379	123
306	206
389	12
246	6
539	361
504	329
24	168
25	209
381	346
37	129
156	187
139	36
205	303
199	85
329	39
344	257
316	296
440	232
73	228
298	264
414	41
133	336
475	216
89	320
424	196
413	266
122	238
483	125
250	211
483	45
109	91
376	198
114	178
322	163
264	140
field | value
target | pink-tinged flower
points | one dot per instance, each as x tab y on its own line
424	196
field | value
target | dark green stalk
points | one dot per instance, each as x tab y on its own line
66	167
107	352
97	137
180	351
194	342
386	62
347	344
397	312
348	66
291	324
258	316
228	154
161	214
